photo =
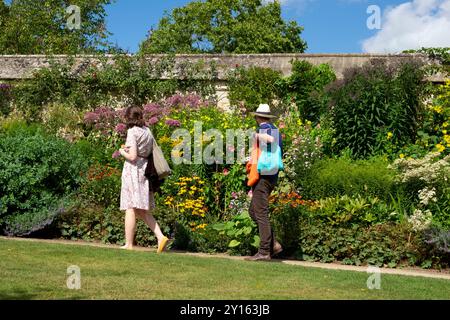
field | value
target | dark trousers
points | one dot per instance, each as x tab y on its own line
259	211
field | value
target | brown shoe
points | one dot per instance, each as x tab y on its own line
277	248
259	257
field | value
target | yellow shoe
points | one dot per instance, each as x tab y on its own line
162	245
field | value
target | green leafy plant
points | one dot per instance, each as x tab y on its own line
378	107
248	87
37	173
242	231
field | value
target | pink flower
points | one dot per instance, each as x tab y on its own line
225	172
121	128
281	125
116	154
91	118
250	193
173	123
153	120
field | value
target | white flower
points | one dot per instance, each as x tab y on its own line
420	220
425	195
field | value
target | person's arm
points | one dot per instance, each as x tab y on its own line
130	151
264	137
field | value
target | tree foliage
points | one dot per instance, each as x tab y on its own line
39	27
225	26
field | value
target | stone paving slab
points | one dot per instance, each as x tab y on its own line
413	272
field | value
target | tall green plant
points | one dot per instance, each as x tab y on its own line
378	106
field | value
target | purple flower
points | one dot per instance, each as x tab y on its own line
173	123
174	100
91	118
234	195
5	86
153	120
121	128
116	154
152	109
192	101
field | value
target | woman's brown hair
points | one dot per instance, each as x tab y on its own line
134	117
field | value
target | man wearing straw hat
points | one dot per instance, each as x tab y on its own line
268	137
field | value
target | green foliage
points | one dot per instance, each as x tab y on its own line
440	55
248	87
377	107
387	244
28	28
286	228
5	99
343	176
357	210
306	88
37	173
225	26
113	81
241	232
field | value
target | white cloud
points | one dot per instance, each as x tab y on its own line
412	25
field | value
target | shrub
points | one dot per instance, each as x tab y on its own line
250	87
377	107
426	180
241	231
306	88
387	244
37	173
343	176
93	222
5	99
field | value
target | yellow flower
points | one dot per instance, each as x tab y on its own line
440	147
437	109
402	156
389	135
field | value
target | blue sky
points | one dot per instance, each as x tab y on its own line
331	26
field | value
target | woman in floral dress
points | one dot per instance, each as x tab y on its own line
135	197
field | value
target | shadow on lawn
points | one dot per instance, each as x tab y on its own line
17	295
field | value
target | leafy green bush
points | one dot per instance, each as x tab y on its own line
5	99
306	88
37	174
343	176
250	87
381	245
377	108
242	233
93	222
426	181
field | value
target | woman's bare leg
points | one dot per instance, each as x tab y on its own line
151	222
130	228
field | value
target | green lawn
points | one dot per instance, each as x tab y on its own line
32	270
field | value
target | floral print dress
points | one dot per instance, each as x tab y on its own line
135	192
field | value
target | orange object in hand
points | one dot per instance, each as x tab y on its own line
252	166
